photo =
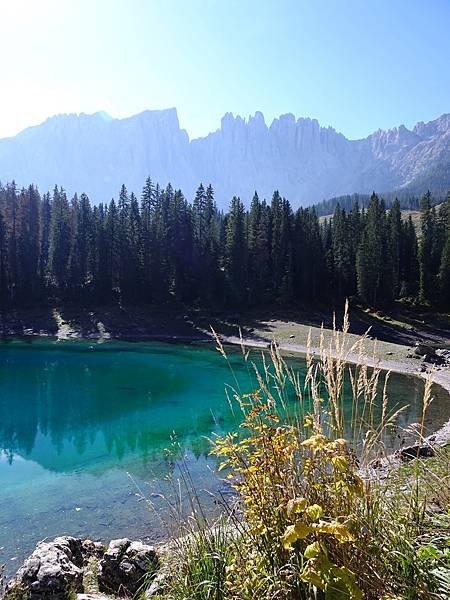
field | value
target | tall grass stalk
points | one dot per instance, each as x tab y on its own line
308	524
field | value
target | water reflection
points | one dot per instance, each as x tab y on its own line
75	406
77	418
68	407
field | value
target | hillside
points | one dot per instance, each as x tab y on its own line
306	162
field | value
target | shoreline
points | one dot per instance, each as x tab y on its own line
408	367
392	340
440	437
440	377
401	366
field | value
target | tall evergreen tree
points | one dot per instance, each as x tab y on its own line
59	240
372	265
4	285
409	262
235	250
27	244
427	225
444	275
44	235
342	253
394	241
147	239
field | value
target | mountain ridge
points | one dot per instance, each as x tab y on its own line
96	153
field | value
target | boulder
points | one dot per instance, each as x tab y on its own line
54	570
125	566
416	451
60	570
429	353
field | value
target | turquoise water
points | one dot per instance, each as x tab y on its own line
84	428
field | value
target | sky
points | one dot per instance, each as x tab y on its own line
357	65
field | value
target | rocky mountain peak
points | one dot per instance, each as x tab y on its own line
306	162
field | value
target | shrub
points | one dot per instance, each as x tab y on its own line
311	523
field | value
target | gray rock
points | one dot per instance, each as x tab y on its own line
125	567
54	570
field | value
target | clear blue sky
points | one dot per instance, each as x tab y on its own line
354	64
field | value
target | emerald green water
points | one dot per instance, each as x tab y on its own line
84	428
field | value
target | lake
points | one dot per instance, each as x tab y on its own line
84	429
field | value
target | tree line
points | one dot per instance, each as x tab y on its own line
160	247
407	201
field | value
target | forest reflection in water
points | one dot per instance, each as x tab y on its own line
85	426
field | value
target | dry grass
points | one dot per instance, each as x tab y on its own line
306	523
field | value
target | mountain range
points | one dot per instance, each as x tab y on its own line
304	161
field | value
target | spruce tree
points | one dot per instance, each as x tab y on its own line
409	262
147	250
27	244
235	250
44	233
372	264
427	287
394	223
59	241
4	286
444	276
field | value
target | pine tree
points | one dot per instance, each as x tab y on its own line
373	267
132	238
28	244
235	250
444	276
99	257
343	266
147	250
427	225
113	243
11	206
394	241
258	249
81	228
281	248
181	236
409	262
59	240
199	217
4	287
44	233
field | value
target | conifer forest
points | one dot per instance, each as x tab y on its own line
160	247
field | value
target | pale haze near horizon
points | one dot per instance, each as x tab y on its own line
355	65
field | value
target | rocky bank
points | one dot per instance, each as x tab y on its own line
69	568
